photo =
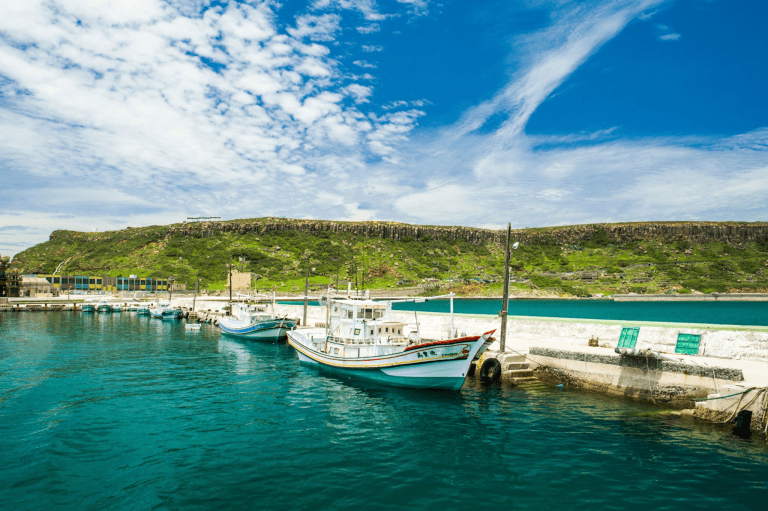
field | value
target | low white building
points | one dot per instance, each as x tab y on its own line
35	287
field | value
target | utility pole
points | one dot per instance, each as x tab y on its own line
505	299
306	292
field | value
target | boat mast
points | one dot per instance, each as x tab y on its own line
194	298
328	312
453	328
306	292
229	313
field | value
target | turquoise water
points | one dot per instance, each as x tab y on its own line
717	313
125	412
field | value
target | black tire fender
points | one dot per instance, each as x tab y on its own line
490	370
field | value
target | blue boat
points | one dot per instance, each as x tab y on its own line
164	311
252	324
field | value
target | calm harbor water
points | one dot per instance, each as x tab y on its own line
125	412
710	312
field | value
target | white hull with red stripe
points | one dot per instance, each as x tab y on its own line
436	364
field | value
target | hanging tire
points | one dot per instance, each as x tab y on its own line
490	370
471	370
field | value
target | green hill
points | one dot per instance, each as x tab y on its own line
572	260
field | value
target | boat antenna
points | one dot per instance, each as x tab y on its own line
328	313
306	293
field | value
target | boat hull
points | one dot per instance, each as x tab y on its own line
273	330
439	365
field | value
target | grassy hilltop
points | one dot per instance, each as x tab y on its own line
543	265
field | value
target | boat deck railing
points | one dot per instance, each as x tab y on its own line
348	341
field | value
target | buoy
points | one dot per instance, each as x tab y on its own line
490	370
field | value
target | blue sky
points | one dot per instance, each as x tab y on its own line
117	113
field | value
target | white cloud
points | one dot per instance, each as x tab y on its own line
364	63
669	37
149	106
360	92
369	29
170	112
317	28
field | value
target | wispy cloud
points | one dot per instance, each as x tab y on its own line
148	111
669	37
136	113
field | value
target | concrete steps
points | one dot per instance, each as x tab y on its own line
516	369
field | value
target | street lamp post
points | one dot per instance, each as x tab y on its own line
505	298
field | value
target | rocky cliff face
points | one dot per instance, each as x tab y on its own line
698	232
731	233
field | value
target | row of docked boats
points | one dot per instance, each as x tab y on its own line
101	306
362	339
162	310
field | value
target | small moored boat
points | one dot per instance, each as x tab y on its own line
163	310
363	340
103	306
247	321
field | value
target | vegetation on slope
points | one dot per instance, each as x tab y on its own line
278	260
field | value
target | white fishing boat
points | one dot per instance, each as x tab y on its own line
103	306
251	322
363	340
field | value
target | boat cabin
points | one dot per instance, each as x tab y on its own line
250	314
363	328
